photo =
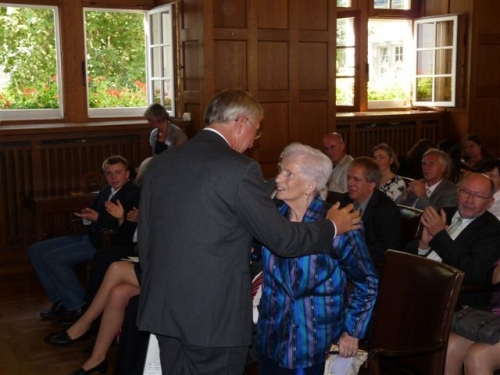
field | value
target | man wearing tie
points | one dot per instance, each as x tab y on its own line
434	190
466	237
379	213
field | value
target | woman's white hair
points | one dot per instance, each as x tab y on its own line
314	165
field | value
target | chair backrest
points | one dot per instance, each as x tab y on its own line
410	221
416	301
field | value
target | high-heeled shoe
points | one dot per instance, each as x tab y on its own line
62	338
101	368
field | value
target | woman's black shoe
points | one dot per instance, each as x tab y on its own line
54	312
101	367
62	338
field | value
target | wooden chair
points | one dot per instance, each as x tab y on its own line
412	317
410	222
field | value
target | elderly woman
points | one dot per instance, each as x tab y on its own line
164	133
303	308
390	183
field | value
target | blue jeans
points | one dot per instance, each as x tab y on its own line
53	261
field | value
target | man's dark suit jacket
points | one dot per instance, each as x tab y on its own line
128	196
474	251
202	203
382	221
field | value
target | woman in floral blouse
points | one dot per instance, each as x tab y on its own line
391	184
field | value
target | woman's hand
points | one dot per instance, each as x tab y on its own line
133	215
348	345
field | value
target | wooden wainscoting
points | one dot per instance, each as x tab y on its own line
50	160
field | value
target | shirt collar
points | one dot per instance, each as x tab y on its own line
217	132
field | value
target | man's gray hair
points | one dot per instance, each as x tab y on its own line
229	104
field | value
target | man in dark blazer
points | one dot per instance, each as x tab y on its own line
202	203
434	189
466	237
53	259
380	215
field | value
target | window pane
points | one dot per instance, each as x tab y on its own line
443	89
444	34
425	62
392	4
345	62
344	3
29	62
425	35
116	59
345	91
424	89
345	32
390	69
444	61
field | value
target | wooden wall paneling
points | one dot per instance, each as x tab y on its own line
230	14
313	17
230	64
313	123
273	73
192	54
273	14
15	162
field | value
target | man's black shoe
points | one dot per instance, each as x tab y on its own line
71	317
54	312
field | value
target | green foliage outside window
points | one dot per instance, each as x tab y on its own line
115	59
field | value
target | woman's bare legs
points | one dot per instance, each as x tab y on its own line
482	359
117	273
111	322
455	354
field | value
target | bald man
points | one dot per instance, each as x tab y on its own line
466	237
334	148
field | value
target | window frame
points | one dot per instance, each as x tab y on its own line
149	57
114	112
46	113
454	60
363	12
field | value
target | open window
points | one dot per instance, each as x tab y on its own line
30	63
401	63
436	61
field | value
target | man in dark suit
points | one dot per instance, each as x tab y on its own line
466	237
202	203
434	189
53	259
380	215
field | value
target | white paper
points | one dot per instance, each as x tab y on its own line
152	365
340	365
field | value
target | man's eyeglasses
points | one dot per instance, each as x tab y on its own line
257	131
466	193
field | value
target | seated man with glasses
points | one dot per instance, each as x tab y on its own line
466	237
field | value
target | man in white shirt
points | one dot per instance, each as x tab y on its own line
467	237
434	189
334	148
491	168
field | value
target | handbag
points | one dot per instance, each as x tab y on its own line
477	325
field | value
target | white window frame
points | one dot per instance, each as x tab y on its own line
116	112
41	114
452	74
162	45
